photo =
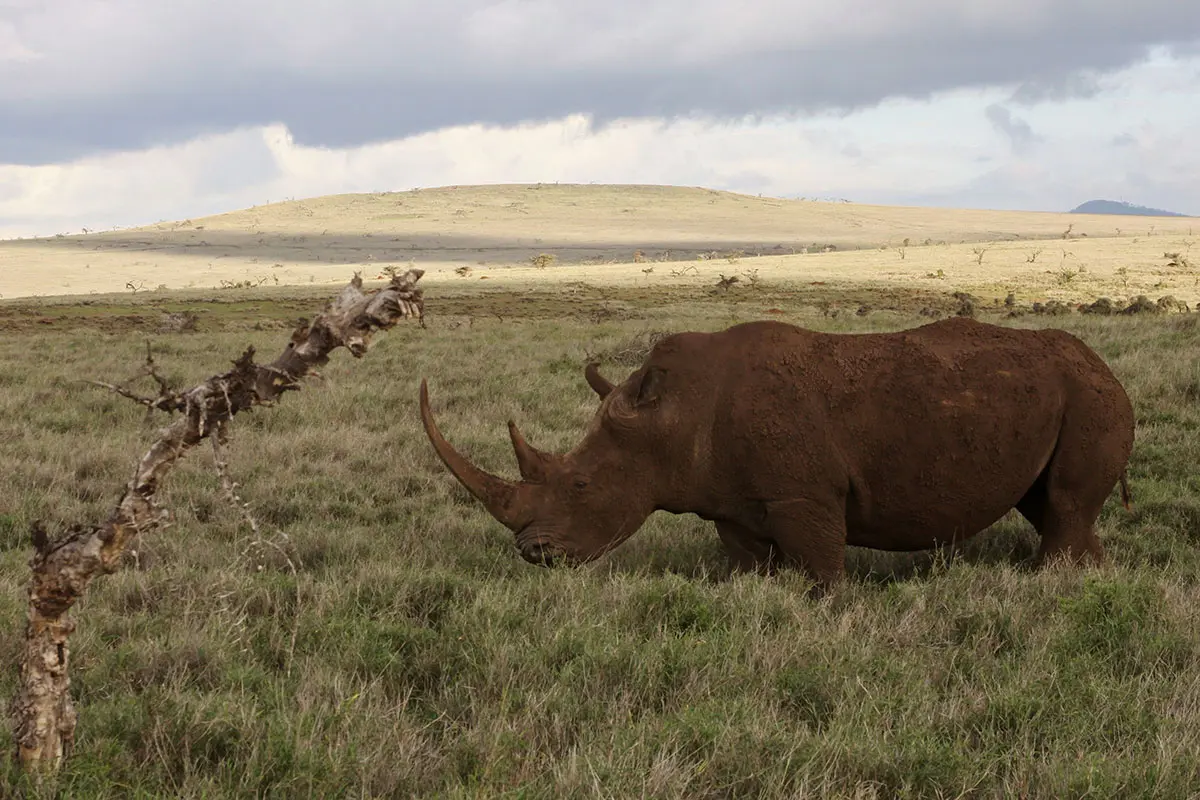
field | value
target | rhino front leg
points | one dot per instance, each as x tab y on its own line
748	551
811	534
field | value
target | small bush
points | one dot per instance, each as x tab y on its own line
1141	305
631	352
1169	305
1102	306
1055	308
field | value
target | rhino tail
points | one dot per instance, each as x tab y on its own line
1126	496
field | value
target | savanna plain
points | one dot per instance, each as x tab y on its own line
380	636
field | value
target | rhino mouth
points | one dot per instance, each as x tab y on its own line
542	555
538	550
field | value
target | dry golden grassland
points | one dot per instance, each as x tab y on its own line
651	236
413	653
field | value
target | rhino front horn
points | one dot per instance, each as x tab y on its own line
501	498
598	382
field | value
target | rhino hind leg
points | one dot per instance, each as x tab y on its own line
1066	533
1065	501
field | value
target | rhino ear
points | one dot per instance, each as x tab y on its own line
600	385
651	387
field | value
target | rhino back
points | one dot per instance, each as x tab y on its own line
924	433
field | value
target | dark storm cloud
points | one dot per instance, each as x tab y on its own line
1056	88
74	80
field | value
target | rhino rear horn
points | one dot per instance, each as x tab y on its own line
503	499
598	382
532	462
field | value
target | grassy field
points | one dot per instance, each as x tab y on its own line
412	652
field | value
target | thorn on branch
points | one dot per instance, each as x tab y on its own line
164	388
245	360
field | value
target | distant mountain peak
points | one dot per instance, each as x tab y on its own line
1121	207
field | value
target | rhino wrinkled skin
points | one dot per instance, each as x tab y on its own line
798	443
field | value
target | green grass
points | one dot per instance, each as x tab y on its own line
414	653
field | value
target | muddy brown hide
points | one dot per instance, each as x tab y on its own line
797	443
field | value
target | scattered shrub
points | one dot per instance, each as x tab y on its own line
1102	306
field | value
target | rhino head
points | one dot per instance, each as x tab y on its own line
577	506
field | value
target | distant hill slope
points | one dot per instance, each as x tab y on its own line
1117	207
509	223
484	227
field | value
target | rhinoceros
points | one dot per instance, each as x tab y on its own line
797	443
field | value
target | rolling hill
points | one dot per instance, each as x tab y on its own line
496	228
1120	207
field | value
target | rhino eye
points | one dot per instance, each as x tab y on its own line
581	483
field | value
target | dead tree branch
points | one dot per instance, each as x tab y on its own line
166	400
62	568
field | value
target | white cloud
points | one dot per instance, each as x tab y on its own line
11	47
1132	140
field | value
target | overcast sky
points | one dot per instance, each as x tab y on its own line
122	112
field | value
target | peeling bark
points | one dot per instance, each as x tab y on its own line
43	715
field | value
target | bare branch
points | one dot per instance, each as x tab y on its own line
167	399
149	402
